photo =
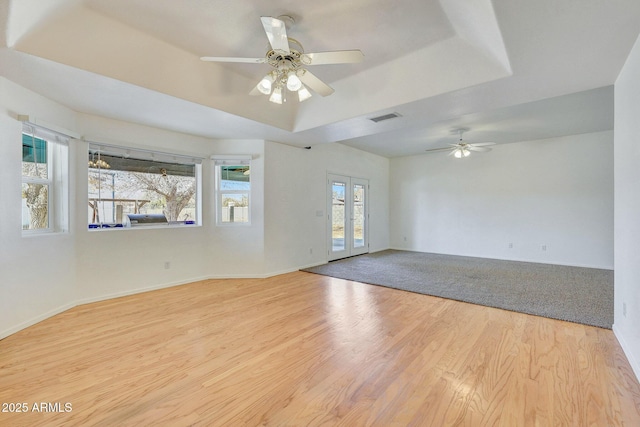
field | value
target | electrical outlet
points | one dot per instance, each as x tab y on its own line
510	245
310	251
624	309
405	238
544	247
167	265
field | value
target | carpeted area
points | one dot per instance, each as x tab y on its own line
576	294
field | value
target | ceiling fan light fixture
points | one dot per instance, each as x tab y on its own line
461	152
288	60
463	149
293	82
276	96
265	84
303	94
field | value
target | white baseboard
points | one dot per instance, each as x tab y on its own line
137	291
290	270
236	276
316	264
279	272
184	282
13	329
16	328
627	351
534	261
374	250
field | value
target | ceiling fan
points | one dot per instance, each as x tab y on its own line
288	59
463	149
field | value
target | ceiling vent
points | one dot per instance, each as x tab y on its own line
385	117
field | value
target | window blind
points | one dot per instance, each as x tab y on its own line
45	134
221	160
136	153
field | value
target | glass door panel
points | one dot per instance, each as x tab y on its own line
359	243
358	215
338	216
348	219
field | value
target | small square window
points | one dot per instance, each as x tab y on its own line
44	180
233	188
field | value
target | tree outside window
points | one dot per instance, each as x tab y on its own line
127	184
36	183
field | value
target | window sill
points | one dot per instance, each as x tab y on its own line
42	233
120	227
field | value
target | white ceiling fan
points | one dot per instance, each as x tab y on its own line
288	59
463	149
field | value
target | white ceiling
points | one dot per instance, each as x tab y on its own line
509	70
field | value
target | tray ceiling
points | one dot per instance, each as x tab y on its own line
439	64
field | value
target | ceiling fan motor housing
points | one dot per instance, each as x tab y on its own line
287	62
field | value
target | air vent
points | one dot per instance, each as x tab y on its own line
385	117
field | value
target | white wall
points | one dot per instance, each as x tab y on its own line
555	192
118	262
296	200
627	208
46	274
37	274
43	275
240	247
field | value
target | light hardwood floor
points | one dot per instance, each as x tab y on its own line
302	349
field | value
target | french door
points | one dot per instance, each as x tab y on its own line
348	207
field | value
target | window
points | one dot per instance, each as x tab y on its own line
44	180
132	188
233	189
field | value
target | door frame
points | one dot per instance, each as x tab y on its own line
349	249
365	220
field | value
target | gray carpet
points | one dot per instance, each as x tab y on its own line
576	294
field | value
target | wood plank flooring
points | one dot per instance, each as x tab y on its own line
302	349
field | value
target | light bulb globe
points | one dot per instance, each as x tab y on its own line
276	96
293	82
303	94
265	84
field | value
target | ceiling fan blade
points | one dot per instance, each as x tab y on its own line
437	149
315	84
335	57
483	144
476	148
276	33
231	59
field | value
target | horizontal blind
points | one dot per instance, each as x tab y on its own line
241	159
44	133
136	153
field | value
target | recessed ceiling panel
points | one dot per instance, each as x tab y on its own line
436	62
381	29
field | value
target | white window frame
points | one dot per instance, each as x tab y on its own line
57	176
230	160
149	154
